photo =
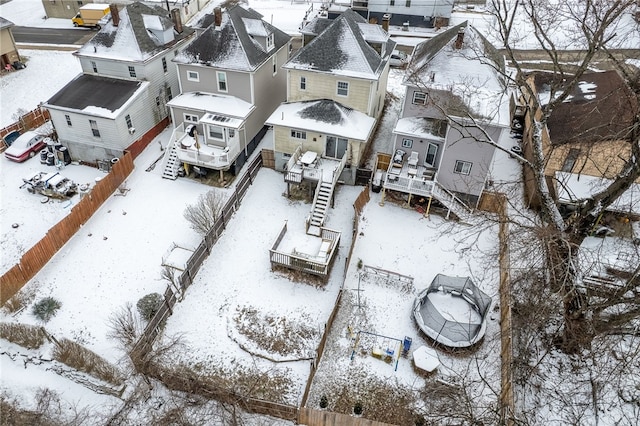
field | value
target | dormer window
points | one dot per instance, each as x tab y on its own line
270	43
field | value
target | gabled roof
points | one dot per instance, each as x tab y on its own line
5	23
601	107
232	45
132	39
472	72
324	116
95	95
342	49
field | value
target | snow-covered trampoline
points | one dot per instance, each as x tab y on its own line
452	311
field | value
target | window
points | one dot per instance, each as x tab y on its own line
132	71
193	76
336	147
167	93
127	119
303	83
432	151
164	65
392	2
94	66
570	161
419	98
157	100
216	132
408	4
79	2
94	128
298	134
232	133
68	118
407	143
274	62
222	81
462	167
343	88
191	118
270	42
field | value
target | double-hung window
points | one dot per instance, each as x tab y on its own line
419	98
222	81
432	152
94	128
303	83
343	88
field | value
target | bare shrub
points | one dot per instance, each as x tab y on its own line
125	326
28	336
80	358
228	4
46	308
202	215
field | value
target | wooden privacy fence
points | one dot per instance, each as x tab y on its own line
193	264
34	118
38	255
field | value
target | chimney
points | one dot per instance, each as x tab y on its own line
385	21
459	38
115	16
217	15
177	21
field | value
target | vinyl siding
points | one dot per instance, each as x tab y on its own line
238	83
324	86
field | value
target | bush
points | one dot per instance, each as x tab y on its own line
324	402
80	358
149	305
28	336
46	308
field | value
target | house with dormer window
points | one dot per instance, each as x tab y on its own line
336	85
455	113
119	101
230	82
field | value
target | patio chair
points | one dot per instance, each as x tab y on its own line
413	159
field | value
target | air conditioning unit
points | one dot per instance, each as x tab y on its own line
132	130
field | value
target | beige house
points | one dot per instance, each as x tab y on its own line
588	135
338	78
64	8
8	50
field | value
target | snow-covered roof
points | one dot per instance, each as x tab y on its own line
132	39
343	49
572	187
231	45
472	72
316	25
325	117
423	127
97	95
5	23
210	102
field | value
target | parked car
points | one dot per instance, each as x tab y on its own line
398	59
25	147
10	137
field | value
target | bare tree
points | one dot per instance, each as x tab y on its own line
203	214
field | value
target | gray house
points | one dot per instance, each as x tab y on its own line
230	82
119	101
408	13
335	94
455	111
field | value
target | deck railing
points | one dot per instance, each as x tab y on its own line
418	186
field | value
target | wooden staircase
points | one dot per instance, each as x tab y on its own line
171	164
321	204
451	202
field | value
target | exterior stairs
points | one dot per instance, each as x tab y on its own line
321	204
171	164
451	202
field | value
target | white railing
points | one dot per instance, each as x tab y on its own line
416	186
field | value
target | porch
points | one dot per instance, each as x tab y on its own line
311	166
191	149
